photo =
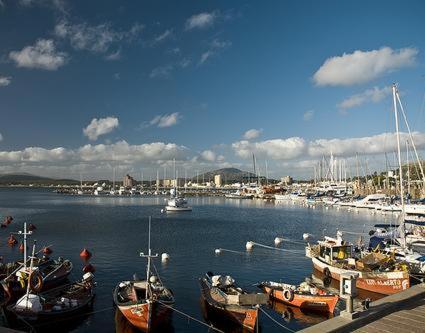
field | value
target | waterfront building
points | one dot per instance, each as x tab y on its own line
287	180
128	181
217	181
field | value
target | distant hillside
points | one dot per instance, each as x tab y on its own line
228	175
27	178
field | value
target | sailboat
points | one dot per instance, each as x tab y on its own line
176	203
146	304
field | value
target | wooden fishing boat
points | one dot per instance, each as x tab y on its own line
225	299
304	296
376	272
60	302
146	304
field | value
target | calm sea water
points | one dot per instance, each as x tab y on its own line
115	230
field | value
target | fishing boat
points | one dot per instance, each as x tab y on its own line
304	296
146	304
225	299
377	272
60	302
44	274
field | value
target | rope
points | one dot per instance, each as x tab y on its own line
352	232
276	248
190	317
276	322
231	251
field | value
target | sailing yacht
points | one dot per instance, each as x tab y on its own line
146	304
176	203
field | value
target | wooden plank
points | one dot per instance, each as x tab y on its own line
394	322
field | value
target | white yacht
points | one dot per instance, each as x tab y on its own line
177	203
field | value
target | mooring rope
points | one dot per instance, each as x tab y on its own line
190	317
276	322
276	248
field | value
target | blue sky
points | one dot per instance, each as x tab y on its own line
85	85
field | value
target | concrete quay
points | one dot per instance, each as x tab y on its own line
403	312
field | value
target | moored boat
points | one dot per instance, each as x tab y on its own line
227	300
376	272
60	302
146	304
304	296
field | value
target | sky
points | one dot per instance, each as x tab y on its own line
86	86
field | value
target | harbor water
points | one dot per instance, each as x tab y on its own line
115	230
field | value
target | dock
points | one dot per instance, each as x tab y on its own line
403	312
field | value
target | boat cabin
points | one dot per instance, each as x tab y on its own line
332	250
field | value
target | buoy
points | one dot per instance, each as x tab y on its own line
162	210
21	247
85	254
12	240
165	257
277	241
89	268
327	207
47	251
31	227
249	245
217	251
306	236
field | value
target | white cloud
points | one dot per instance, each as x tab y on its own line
277	149
296	147
97	38
114	55
166	120
166	34
214	47
42	55
363	66
308	115
208	156
185	62
5	81
101	126
201	21
373	95
161	72
252	134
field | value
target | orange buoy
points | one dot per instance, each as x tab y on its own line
47	251
85	254
89	268
31	227
21	247
12	240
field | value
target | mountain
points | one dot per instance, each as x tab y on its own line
228	175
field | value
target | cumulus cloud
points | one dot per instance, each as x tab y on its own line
214	48
308	115
114	55
5	81
42	55
166	120
252	134
201	21
363	66
297	148
121	150
208	155
373	95
101	126
95	38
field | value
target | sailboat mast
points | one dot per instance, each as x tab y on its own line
149	260
408	167
399	162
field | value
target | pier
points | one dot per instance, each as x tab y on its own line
403	312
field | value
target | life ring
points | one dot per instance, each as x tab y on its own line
288	295
35	276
